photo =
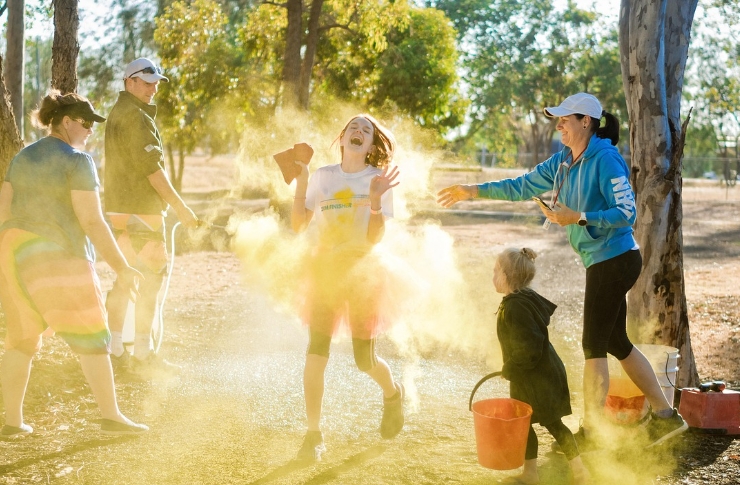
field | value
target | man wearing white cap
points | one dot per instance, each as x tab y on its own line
592	198
137	196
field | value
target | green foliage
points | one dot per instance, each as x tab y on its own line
522	56
198	59
411	69
36	79
417	71
713	89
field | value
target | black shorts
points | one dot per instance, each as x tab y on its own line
605	306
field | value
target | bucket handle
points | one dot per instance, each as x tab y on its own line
480	382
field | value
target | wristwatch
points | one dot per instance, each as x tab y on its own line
582	221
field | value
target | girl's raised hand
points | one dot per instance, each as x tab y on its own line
383	181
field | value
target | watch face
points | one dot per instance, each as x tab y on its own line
582	222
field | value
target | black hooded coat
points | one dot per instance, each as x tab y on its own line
535	372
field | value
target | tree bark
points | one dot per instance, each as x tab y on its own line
292	60
14	65
312	41
65	48
653	39
10	140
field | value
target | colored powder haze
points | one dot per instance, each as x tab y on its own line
426	301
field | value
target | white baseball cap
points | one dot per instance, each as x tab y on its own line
145	69
579	103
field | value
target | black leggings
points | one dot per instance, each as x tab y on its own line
605	306
364	349
562	435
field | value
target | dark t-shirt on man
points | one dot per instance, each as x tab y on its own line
133	152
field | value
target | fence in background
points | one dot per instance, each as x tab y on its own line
715	168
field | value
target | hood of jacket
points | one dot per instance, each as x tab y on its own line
538	303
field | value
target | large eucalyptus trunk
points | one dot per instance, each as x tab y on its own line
15	36
654	40
10	140
65	48
312	41
292	58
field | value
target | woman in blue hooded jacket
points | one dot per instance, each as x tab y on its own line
593	199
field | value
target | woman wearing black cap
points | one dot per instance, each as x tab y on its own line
593	199
50	218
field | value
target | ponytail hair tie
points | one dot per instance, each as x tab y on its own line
528	253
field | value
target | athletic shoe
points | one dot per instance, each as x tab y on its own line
312	448
154	366
392	421
662	429
116	428
13	432
120	363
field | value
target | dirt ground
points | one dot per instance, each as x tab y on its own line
235	415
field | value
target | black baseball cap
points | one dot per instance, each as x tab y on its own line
82	109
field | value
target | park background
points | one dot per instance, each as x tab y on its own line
450	82
474	75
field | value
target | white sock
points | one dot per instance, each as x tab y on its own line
116	343
142	346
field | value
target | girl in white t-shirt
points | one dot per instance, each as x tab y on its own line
349	202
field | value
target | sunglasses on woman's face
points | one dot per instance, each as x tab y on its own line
85	124
148	70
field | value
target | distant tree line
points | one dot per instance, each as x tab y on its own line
476	72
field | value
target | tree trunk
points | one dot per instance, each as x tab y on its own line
292	60
170	159
312	41
14	59
65	48
653	40
10	140
177	174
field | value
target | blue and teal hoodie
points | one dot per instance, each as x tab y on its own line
597	184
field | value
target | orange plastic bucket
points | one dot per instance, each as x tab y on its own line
625	403
501	430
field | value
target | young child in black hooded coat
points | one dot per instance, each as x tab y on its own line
533	368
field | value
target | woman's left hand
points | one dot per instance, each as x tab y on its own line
562	215
380	184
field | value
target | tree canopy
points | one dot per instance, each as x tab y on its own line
476	72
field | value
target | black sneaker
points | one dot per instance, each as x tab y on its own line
116	428
662	429
392	421
312	448
121	363
16	432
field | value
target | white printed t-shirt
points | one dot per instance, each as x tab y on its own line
340	203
